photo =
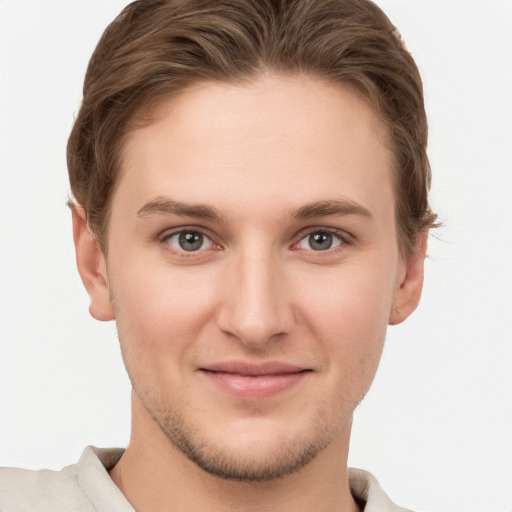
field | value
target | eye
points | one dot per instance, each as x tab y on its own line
188	241
320	241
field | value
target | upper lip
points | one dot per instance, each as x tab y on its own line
246	368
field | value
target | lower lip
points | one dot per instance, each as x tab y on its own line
255	387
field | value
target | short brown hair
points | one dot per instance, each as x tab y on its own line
156	48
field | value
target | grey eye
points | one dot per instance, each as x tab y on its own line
189	241
320	241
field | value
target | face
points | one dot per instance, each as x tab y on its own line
253	267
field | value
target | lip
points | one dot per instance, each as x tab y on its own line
248	381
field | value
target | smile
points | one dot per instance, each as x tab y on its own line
255	382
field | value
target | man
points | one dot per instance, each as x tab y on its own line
250	181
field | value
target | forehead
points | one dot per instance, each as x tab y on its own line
285	139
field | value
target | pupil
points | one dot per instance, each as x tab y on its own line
320	241
191	241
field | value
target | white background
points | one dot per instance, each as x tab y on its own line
436	428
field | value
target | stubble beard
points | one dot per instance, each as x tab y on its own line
229	465
218	460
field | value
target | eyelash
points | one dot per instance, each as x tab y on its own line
343	237
166	237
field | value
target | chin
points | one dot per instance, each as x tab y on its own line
261	461
253	451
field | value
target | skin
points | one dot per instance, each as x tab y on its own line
257	170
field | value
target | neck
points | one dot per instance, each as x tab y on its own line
156	476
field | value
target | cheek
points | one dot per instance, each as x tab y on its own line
348	313
159	312
349	327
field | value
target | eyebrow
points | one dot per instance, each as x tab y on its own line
167	206
335	207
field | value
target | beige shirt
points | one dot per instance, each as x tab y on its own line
87	487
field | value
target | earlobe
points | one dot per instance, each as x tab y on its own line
408	293
92	267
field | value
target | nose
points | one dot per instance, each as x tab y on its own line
255	306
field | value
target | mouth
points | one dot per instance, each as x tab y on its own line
249	381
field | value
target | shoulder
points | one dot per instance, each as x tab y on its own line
82	487
366	490
23	490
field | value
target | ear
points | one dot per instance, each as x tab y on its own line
410	282
92	266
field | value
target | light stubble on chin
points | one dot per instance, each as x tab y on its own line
238	466
220	462
229	464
